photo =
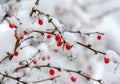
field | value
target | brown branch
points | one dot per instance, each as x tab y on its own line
92	49
67	70
50	20
4	59
28	64
26	39
14	78
89	33
18	78
17	44
42	32
51	78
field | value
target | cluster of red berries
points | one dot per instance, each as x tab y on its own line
59	40
60	43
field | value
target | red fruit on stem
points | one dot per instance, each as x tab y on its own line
58	37
11	25
59	70
106	60
48	36
48	57
73	79
21	37
34	62
55	50
99	37
16	53
43	58
59	43
25	33
40	22
17	38
68	46
51	72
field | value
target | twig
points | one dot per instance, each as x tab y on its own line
89	33
89	47
51	78
4	59
14	78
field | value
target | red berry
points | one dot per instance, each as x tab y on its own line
73	79
59	43
24	73
16	70
16	53
106	60
17	38
48	36
55	50
34	62
40	22
25	33
11	25
58	37
99	37
48	57
68	46
43	58
51	72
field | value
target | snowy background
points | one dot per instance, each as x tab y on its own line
85	16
